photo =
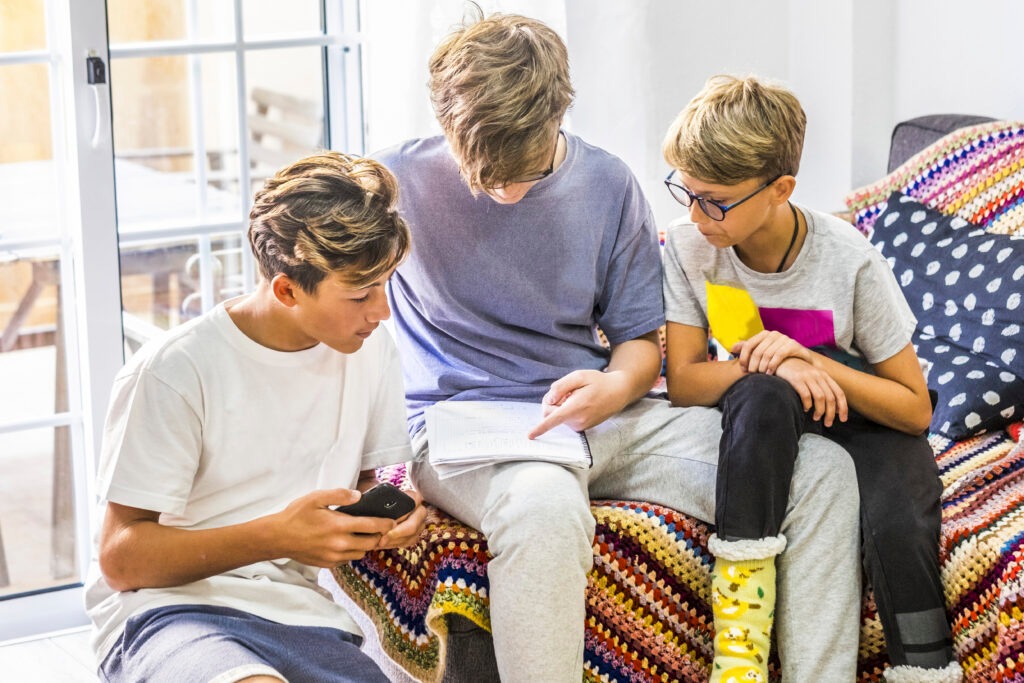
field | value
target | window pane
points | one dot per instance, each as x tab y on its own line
29	208
175	140
135	21
163	282
22	26
264	18
286	110
36	538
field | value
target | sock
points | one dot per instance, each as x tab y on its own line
743	603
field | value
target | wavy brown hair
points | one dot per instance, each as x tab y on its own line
326	213
500	88
735	129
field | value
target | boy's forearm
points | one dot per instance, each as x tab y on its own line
879	399
147	554
639	360
703	383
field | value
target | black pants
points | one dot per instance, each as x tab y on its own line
763	420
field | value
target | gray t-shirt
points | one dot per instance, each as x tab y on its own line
498	301
839	296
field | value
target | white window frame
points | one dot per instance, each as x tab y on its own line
89	246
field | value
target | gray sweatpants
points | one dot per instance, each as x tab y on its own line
539	529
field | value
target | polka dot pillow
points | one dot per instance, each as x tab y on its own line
965	286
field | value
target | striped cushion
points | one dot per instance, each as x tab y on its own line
976	172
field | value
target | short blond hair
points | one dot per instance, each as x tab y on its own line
735	129
329	212
500	88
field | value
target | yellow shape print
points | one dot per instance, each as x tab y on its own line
732	314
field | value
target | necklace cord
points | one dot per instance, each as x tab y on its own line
792	240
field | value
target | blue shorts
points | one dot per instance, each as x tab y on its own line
202	643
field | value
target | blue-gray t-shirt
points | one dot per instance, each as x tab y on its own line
499	301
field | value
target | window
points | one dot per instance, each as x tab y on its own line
124	206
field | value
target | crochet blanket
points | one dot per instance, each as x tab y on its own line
648	611
975	172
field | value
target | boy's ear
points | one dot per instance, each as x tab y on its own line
284	289
782	189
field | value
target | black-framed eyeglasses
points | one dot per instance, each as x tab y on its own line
712	210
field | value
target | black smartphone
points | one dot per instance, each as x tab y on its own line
383	500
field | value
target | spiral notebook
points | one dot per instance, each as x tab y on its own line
465	435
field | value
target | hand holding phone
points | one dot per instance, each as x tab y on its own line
383	500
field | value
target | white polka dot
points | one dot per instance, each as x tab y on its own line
994	286
951	308
1007	376
1013	301
1003	254
970	301
957	400
958	223
918	216
907	277
1008	412
945	426
988	317
904	199
979	345
960	360
954	334
976	271
960	251
1008	355
1011	330
929	229
891	218
952	277
927	301
1018	274
985	246
899	239
941	348
945	377
880	246
972	420
891	261
932	268
975	374
990	397
944	242
917	250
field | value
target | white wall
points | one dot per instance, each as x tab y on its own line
858	66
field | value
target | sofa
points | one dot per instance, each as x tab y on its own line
425	608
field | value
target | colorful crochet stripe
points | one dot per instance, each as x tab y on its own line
976	173
648	616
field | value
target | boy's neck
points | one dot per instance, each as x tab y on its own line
264	320
775	245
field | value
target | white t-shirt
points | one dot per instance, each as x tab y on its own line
839	297
210	428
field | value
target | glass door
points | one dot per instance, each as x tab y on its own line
136	133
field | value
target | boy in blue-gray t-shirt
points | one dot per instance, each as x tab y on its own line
822	338
525	240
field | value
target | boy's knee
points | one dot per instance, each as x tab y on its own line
548	509
825	469
763	400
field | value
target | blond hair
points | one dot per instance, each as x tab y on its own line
329	212
735	129
500	87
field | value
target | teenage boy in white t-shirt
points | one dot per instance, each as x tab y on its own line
230	438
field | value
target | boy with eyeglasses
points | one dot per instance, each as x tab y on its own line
230	439
525	240
821	338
